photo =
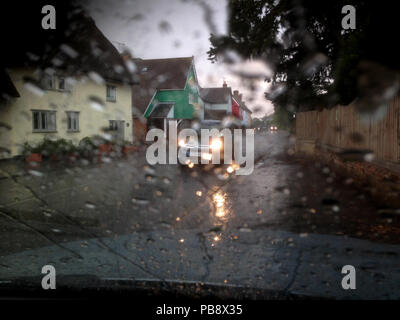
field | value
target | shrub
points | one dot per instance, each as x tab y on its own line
27	148
86	147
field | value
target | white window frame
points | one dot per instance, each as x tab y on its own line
47	121
71	116
111	88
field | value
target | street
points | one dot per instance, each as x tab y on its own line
290	226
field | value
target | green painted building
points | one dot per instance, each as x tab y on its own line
167	89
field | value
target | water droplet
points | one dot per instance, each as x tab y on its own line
140	202
84	244
35	173
47	214
33	86
57	62
131	66
96	77
96	103
369	157
300	175
118	68
69	51
149	170
164	27
90	205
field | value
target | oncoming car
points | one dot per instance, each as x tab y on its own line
273	128
202	154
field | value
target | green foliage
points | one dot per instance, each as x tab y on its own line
86	147
264	122
59	147
27	149
283	119
87	141
49	147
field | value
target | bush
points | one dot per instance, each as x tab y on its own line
28	149
86	147
51	147
86	143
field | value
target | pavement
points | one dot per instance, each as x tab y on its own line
290	226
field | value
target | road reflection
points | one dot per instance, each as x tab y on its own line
221	206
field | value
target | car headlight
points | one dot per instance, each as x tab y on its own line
216	144
206	156
181	143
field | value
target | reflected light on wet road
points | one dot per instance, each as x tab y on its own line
220	205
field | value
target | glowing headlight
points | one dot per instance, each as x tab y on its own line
230	169
216	144
181	143
206	156
272	128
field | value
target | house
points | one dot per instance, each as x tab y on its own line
71	86
217	103
240	110
167	90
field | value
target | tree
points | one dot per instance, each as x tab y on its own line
283	118
316	62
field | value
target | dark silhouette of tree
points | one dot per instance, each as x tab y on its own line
315	62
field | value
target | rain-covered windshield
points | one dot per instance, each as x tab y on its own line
293	108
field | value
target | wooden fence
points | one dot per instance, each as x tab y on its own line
341	127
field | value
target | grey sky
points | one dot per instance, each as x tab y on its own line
177	28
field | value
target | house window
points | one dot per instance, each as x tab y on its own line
44	120
61	83
113	125
73	120
50	82
111	93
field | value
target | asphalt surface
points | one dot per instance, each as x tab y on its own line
288	227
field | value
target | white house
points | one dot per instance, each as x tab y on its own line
77	87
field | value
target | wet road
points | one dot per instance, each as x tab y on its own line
290	226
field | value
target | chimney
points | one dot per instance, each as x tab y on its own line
224	85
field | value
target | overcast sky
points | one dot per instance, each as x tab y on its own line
178	28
